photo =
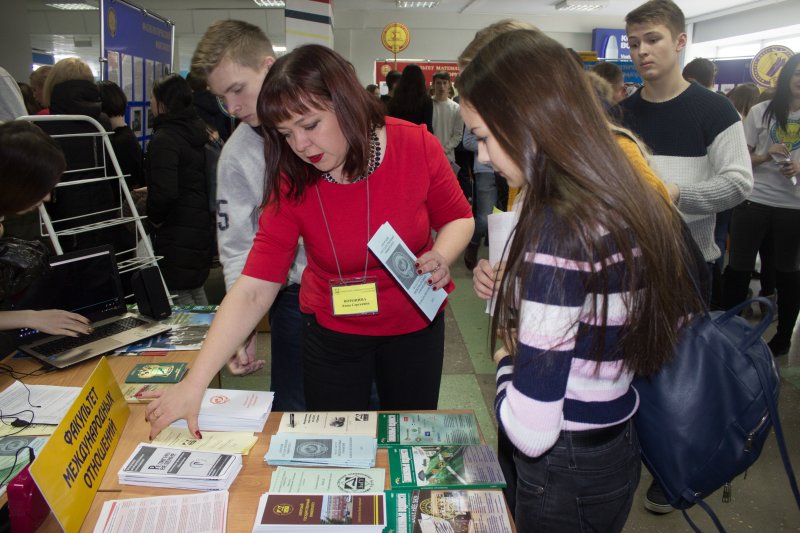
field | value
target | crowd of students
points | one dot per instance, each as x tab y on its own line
618	198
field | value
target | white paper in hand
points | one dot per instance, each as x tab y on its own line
387	246
501	226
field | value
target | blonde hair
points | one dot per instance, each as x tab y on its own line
70	68
240	41
38	76
488	33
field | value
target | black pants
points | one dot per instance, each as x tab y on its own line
339	368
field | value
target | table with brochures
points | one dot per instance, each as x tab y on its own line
244	494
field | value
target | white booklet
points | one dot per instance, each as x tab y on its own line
233	410
330	423
318	480
155	466
387	246
321	450
206	512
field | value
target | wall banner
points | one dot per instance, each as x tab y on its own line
429	68
138	48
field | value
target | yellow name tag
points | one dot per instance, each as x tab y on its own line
354	297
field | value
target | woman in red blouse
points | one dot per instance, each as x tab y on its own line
336	171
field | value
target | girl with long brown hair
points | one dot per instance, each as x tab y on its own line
594	288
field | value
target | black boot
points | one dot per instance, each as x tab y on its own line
736	284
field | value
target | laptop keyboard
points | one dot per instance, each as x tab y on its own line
68	343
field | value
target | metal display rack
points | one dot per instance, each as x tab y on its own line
106	168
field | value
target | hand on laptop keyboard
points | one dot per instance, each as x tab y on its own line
51	321
61	345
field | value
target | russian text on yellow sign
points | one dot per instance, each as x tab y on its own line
71	465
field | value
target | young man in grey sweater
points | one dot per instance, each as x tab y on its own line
234	58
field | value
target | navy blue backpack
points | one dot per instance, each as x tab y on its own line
704	417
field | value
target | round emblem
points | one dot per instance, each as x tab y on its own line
112	22
395	37
283	509
312	448
219	399
767	64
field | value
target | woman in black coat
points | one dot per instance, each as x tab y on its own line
411	100
177	191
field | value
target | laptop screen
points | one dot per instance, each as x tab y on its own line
85	282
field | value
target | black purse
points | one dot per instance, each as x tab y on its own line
21	262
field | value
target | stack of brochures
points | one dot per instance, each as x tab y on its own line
295	513
447	510
330	423
155	466
316	480
206	512
356	451
420	429
444	467
233	410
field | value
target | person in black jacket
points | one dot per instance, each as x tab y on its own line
126	146
411	100
70	90
208	108
177	191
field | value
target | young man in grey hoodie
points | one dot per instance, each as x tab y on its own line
234	57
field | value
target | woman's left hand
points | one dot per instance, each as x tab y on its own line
433	262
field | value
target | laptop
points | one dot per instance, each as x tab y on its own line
86	282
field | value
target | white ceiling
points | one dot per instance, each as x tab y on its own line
55	31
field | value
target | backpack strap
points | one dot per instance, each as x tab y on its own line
776	424
709	511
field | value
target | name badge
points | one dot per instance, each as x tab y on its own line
354	296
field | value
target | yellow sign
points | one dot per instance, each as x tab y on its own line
767	64
71	465
395	37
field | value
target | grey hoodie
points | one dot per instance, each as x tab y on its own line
240	187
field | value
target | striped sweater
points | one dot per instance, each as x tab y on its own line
554	382
698	143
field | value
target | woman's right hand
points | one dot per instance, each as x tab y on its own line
58	322
181	401
486	279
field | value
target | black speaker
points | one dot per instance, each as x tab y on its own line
151	298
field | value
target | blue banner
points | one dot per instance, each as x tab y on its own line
137	51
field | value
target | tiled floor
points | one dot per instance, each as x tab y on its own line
761	503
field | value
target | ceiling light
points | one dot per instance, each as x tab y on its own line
270	3
410	4
581	5
75	6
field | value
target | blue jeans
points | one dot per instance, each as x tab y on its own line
286	325
572	488
189	297
485	199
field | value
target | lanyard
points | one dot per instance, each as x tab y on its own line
330	237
